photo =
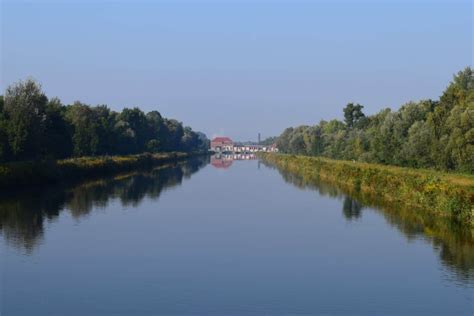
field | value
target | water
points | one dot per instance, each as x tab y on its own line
227	238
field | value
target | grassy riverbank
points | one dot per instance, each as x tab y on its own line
449	195
20	174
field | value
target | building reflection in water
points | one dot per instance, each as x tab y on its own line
224	161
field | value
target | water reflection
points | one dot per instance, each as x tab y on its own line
224	161
351	208
453	241
22	217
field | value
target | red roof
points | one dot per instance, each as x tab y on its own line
222	139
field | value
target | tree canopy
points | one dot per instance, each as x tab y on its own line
426	134
32	126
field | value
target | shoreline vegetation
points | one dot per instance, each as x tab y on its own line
43	141
442	194
17	175
428	134
34	127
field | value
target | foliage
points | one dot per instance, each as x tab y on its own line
265	142
444	194
353	115
24	111
425	134
33	127
269	141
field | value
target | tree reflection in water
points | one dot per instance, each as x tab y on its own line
351	208
453	241
22	216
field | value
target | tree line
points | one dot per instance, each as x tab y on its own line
435	134
265	142
35	127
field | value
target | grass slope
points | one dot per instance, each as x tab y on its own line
443	194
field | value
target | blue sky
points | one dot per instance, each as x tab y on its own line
237	68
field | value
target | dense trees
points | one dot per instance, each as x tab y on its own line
353	115
24	113
426	134
35	127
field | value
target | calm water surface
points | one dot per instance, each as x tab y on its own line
227	238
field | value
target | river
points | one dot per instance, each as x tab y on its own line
225	237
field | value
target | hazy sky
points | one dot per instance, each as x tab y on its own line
237	68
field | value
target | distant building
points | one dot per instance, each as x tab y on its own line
222	144
226	145
244	148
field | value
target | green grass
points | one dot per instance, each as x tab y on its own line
443	194
20	174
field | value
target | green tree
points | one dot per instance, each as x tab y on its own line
106	133
353	115
460	139
156	131
153	146
283	142
173	134
56	141
137	129
85	137
428	134
457	132
316	141
297	143
334	135
459	90
4	147
24	106
189	140
204	142
31	127
418	145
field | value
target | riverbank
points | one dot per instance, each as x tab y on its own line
448	195
22	174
